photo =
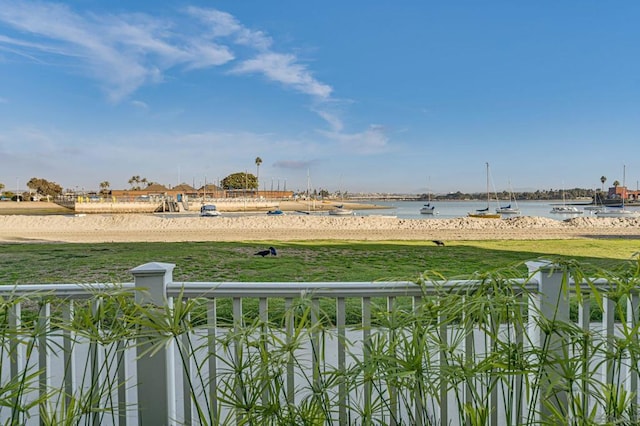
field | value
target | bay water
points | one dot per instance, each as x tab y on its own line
453	209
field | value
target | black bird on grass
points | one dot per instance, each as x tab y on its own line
270	251
438	242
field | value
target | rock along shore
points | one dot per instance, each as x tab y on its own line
291	227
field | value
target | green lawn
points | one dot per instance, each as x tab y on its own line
296	261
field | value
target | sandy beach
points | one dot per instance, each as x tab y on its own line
296	227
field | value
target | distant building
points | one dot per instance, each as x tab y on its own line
622	192
185	191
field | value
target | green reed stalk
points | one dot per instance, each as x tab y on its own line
467	343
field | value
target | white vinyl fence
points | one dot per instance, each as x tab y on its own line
165	353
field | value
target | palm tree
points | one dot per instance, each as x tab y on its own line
616	184
134	181
603	179
104	186
258	162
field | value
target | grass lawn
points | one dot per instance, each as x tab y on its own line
311	261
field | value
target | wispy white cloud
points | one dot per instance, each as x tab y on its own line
373	140
284	68
23	48
370	141
124	52
140	104
4	100
223	24
334	121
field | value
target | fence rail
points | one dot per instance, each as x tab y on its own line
151	352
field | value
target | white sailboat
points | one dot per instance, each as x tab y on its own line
310	209
485	213
619	212
428	208
596	206
340	209
564	208
509	209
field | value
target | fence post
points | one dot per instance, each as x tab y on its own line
552	307
155	373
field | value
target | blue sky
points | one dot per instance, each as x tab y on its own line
371	96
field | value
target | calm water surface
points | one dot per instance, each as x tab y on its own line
452	209
444	210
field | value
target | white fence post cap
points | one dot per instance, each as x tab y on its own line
153	268
151	280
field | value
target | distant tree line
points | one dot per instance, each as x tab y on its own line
549	194
242	180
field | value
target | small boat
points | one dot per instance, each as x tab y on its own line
565	210
613	212
428	209
597	209
341	211
508	210
209	210
597	204
277	212
484	213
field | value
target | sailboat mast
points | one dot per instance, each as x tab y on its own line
624	188
487	185
308	191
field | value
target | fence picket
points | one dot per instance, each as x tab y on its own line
544	296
